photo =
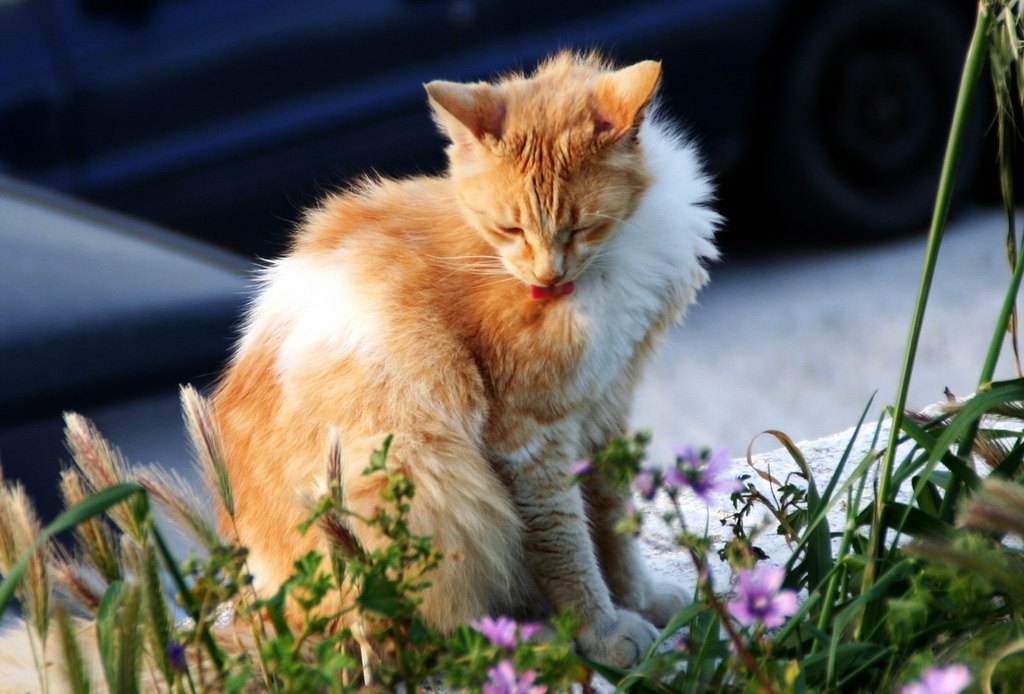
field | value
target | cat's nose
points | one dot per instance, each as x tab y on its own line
550	280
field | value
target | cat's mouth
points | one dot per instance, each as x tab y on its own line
537	292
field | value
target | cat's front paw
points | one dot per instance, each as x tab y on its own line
619	640
663	600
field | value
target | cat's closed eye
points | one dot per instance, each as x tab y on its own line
512	231
579	233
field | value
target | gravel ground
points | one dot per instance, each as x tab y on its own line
800	343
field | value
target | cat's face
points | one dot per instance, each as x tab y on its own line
546	168
547	225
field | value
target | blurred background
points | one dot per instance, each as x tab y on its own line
824	122
221	119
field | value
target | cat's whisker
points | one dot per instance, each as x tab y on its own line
499	280
495	274
461	258
631	226
484	269
491	262
605	190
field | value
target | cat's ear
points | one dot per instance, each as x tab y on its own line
620	97
465	111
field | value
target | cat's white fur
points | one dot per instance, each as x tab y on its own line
661	245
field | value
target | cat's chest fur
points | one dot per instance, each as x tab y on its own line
567	356
570	359
567	351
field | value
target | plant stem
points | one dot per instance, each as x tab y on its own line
973	64
1009	301
832	595
186	597
968	83
767	687
966	444
704	580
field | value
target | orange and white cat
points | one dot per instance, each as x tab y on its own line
495	320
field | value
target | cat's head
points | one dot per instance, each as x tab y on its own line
547	166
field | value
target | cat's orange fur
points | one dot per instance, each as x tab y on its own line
404	308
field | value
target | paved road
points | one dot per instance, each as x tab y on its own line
801	342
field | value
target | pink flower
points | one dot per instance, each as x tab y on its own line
704	473
646	482
502	679
581	467
527	630
503	632
758	598
951	679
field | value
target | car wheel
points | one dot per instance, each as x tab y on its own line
862	115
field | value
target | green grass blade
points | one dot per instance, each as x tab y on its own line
92	506
1002	62
969	79
117	633
965	422
75	670
877	591
187	599
681	619
938	449
907	520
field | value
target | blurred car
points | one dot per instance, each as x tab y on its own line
105	315
221	118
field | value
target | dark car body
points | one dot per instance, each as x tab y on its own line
106	315
222	118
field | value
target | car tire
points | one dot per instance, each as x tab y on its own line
861	117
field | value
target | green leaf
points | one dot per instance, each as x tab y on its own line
380	595
938	449
617	675
909	520
878	591
681	619
274	606
846	656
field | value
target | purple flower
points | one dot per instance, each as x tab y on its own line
504	632
501	631
527	630
176	655
703	473
502	679
951	679
581	467
758	598
646	482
